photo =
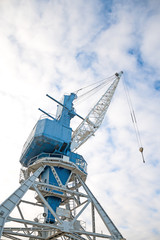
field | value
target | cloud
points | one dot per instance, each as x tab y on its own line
56	47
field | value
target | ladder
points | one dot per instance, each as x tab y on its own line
56	177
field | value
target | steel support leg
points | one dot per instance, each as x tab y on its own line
107	221
10	203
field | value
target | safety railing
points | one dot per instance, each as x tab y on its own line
43	155
44	116
81	163
29	138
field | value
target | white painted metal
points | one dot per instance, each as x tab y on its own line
67	226
10	203
56	177
107	221
63	212
95	117
93	220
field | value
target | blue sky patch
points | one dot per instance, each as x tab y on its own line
153	210
137	54
106	14
115	169
155	231
158	191
157	85
86	59
107	5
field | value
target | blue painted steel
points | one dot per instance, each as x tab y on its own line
79	161
68	113
50	137
48	177
61	105
54	202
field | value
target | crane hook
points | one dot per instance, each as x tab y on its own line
141	150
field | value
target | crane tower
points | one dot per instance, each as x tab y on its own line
56	174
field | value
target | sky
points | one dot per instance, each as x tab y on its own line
57	47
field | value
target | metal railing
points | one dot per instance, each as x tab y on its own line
31	135
80	163
43	155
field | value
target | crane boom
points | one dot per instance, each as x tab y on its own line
93	120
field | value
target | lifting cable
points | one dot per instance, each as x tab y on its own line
90	93
100	81
133	117
99	85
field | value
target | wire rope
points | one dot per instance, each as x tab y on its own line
104	79
90	93
133	117
101	84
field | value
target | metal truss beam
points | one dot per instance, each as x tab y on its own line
66	227
105	218
23	235
93	120
10	203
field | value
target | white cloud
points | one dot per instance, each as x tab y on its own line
150	43
39	44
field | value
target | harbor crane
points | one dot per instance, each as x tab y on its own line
56	173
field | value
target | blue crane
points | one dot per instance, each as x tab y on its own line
49	155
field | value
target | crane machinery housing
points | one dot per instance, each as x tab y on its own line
57	174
